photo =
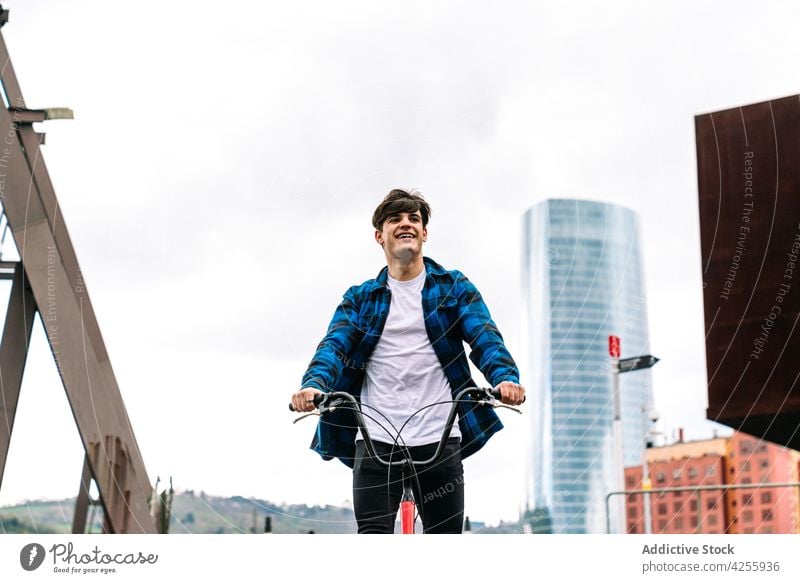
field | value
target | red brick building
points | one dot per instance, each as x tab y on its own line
739	459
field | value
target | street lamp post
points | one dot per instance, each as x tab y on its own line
619	366
614	352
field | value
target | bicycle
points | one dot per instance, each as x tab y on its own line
328	402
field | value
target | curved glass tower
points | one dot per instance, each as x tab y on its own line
582	282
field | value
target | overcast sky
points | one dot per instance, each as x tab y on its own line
225	158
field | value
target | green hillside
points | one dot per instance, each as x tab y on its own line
191	513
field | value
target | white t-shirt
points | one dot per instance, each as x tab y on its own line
404	374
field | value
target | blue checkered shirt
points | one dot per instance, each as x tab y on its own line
454	313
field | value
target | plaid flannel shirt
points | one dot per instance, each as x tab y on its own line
454	312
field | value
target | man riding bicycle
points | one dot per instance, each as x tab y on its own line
396	343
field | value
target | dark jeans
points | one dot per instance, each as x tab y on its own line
439	494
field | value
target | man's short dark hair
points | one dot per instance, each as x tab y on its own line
401	201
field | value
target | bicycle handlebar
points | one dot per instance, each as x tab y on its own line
326	402
320	398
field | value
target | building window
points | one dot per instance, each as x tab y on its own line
745	447
660	477
693	505
766	515
677	494
747	516
745	481
676	474
746	466
711	504
677	507
766	497
764	464
711	470
693	522
747	500
762	447
631	481
679	522
712	520
692	473
662	508
631	512
662	525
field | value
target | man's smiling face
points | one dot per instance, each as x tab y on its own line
402	235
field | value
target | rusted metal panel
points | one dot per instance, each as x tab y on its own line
749	198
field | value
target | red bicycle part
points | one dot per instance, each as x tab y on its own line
407	511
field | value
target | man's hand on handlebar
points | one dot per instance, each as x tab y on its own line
511	393
508	393
303	400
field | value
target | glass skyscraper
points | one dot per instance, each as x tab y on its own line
582	282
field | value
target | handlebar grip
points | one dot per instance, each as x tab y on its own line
318	398
496	394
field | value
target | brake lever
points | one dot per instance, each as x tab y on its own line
317	413
498	405
322	410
